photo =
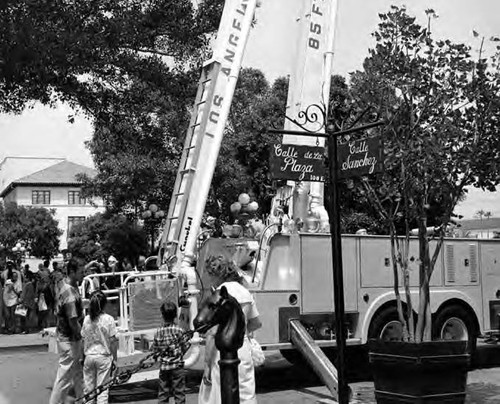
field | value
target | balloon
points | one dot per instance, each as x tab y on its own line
244	199
235	207
253	206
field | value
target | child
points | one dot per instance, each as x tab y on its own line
172	373
99	344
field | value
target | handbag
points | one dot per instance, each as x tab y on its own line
258	356
42	305
21	310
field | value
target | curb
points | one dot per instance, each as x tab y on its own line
32	347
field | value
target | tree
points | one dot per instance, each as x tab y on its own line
102	235
480	213
442	110
88	53
34	226
128	65
137	161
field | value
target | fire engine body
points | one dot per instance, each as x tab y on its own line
296	282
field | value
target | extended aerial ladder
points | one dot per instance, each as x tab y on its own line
202	144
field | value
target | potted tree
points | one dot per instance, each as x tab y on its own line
443	111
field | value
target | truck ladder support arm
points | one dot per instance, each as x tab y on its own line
321	365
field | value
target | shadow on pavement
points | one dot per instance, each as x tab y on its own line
278	375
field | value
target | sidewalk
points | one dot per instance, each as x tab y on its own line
22	341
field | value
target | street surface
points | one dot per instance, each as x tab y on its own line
26	377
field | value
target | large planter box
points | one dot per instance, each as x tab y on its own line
429	372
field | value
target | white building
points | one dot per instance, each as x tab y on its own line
50	183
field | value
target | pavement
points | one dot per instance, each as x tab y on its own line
27	372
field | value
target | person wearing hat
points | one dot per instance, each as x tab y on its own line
112	281
112	262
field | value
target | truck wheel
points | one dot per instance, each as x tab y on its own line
386	326
454	323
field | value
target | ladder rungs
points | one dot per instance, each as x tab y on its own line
187	170
190	157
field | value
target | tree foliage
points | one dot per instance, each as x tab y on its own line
102	235
128	64
442	109
243	162
90	52
138	166
34	226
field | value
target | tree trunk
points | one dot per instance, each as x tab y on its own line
422	324
399	304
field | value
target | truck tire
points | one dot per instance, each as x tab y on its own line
385	325
454	322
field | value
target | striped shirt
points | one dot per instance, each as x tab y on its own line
68	306
164	338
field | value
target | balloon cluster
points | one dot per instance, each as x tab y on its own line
244	206
244	212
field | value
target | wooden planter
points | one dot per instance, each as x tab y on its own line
430	372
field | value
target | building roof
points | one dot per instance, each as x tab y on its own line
480	224
63	173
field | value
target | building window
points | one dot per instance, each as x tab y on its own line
73	221
74	198
40	197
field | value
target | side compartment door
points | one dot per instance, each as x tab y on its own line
317	274
490	274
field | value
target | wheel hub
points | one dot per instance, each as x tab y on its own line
392	331
454	329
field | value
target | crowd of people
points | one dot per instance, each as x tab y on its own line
87	345
27	300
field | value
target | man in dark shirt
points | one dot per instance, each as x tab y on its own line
69	313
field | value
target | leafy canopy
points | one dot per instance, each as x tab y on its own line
442	108
102	235
87	53
36	227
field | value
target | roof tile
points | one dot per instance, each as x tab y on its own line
61	173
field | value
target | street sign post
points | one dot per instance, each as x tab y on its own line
334	217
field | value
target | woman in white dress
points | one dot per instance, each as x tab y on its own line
224	273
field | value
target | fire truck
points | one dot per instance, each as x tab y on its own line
291	272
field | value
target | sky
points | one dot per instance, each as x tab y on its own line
45	132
